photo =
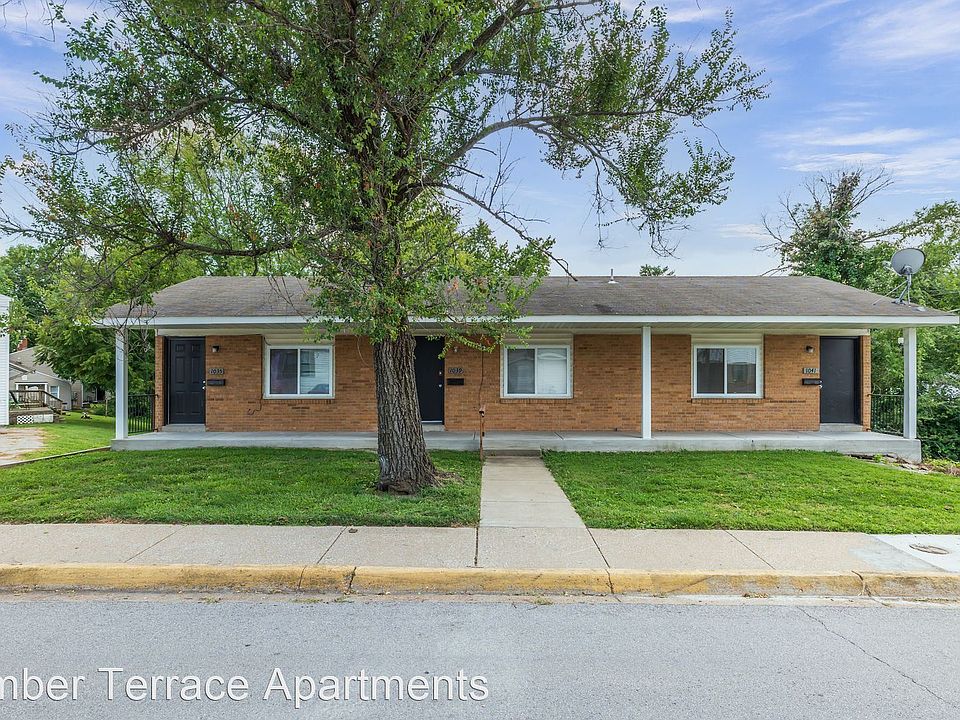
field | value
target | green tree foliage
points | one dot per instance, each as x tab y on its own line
819	237
655	271
350	135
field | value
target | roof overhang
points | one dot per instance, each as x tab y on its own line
578	321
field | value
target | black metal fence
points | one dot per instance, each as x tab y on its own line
139	414
886	413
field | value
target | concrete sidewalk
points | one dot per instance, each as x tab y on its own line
484	547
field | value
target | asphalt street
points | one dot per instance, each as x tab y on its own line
539	659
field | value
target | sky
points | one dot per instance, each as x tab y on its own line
870	83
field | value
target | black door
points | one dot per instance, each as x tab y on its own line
428	367
840	373
186	368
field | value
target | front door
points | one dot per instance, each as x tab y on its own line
840	374
428	368
186	368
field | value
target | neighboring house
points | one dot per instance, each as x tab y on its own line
29	374
4	362
662	360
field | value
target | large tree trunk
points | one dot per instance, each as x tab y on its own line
405	466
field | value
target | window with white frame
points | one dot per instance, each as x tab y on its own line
727	371
537	371
299	371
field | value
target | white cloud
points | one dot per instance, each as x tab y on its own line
693	11
746	231
823	162
31	22
907	33
783	18
932	167
829	137
19	91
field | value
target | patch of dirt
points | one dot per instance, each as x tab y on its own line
18	441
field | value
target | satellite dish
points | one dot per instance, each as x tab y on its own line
906	263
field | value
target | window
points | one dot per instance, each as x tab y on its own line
299	372
540	371
732	371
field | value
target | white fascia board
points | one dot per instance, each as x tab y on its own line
823	320
202	321
833	320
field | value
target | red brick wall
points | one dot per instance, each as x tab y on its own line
866	387
159	367
606	390
786	403
239	405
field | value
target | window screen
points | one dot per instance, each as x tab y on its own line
283	372
538	371
300	371
727	370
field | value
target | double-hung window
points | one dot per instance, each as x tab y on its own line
305	371
727	371
537	371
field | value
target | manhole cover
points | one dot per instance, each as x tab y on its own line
932	549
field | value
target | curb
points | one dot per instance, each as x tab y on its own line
268	578
479	580
841	584
383	580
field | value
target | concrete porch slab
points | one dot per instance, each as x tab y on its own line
241	545
404	547
851	443
682	550
501	547
807	551
66	543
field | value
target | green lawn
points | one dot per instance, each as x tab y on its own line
243	486
789	490
73	433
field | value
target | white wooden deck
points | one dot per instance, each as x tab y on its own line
850	443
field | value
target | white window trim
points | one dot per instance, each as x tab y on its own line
534	346
721	345
298	396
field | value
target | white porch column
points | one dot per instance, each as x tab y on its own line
910	383
4	362
646	385
120	396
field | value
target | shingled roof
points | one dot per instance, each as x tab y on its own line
593	297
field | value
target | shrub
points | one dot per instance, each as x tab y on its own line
938	418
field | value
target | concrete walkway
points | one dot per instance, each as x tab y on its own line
485	547
527	521
519	492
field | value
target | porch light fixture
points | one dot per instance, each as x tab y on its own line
809	349
215	348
